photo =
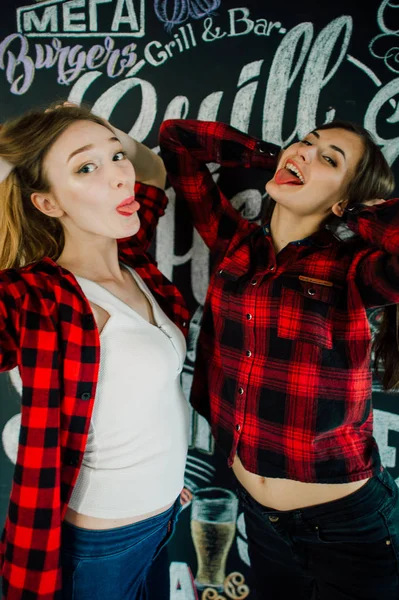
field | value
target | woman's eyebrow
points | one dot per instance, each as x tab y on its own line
88	147
333	146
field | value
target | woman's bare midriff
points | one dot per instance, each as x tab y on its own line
287	494
87	522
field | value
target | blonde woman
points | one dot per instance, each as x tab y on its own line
98	335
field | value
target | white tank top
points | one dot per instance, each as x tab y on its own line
137	444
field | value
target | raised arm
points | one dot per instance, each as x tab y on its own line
149	167
152	202
376	267
186	148
149	188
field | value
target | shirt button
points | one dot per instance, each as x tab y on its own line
274	518
85	396
249	316
248	353
221	271
240	391
184	323
238	427
311	292
271	268
254	282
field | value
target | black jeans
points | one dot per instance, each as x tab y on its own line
347	549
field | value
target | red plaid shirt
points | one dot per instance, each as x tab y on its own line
283	362
47	329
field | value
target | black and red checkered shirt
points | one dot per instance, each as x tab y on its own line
283	362
47	329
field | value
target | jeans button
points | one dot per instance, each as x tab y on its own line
273	518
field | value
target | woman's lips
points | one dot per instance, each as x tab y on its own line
128	207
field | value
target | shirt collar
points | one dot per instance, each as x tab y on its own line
321	238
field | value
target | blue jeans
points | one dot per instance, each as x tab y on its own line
114	563
347	549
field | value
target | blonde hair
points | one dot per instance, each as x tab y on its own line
26	234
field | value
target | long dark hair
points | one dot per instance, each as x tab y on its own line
373	179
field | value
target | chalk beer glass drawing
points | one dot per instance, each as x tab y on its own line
213	528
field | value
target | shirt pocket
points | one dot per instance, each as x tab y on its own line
306	311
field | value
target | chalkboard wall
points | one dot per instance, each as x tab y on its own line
272	69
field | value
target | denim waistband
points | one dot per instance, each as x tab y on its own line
74	537
371	495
